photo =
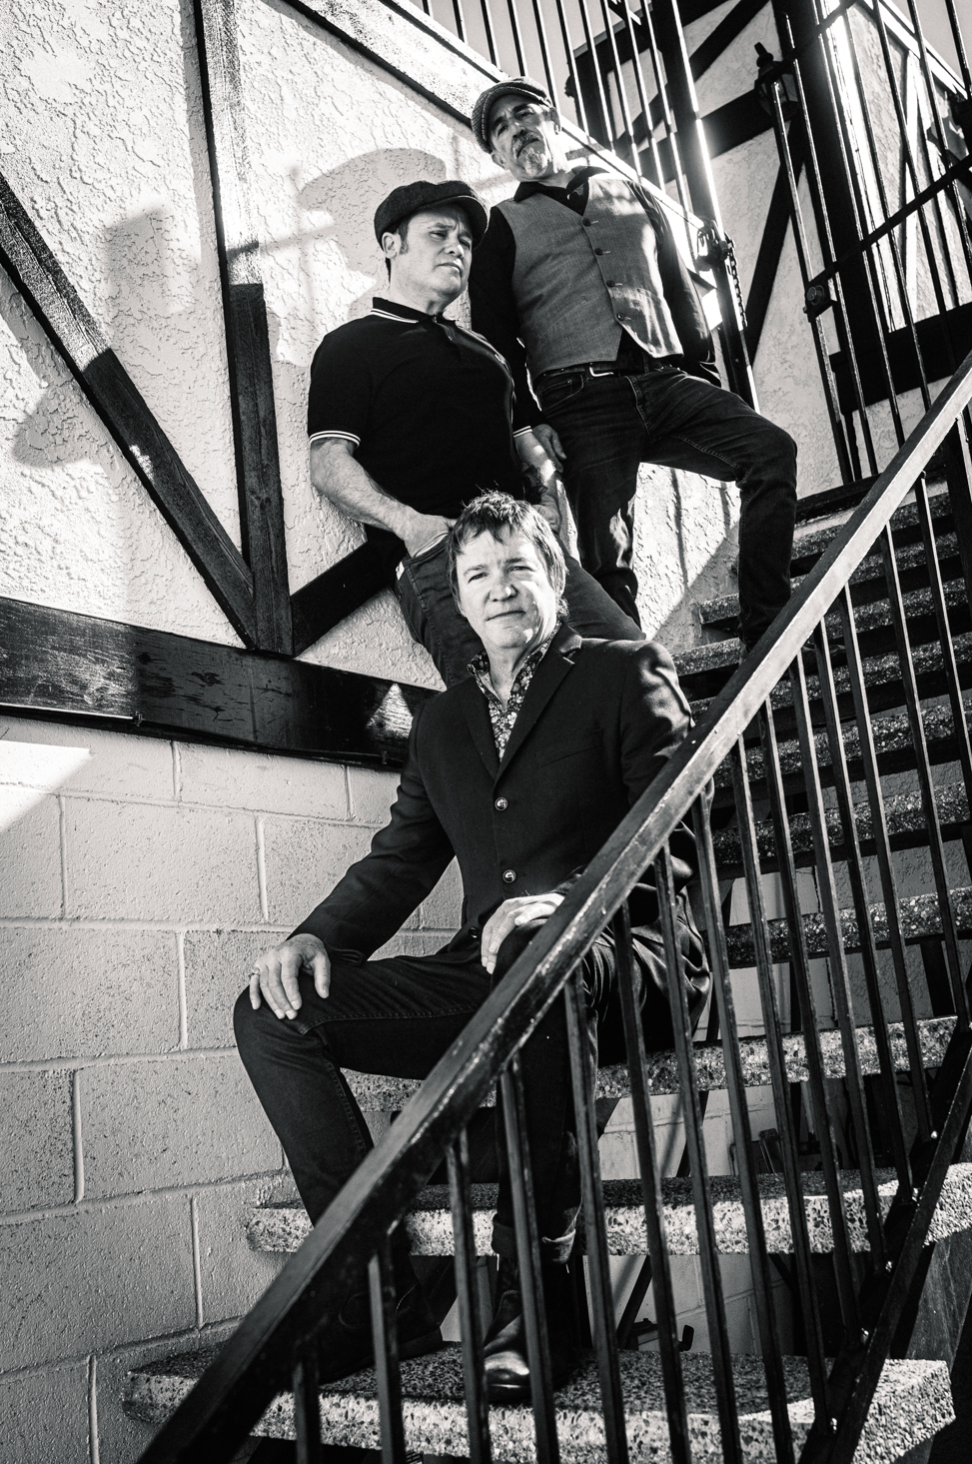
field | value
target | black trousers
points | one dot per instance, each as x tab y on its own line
397	1017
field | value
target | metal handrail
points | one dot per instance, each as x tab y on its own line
258	1360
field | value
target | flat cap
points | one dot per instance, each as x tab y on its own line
411	198
517	86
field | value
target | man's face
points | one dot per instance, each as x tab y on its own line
525	138
505	592
436	253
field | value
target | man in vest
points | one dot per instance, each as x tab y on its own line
579	279
409	418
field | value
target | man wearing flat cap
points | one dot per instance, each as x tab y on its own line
410	417
579	280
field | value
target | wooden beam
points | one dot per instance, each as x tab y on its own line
85	349
770	252
247	334
79	668
333	595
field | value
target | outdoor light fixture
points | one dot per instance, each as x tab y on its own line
770	71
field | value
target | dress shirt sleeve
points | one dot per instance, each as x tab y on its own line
341	388
493	312
406	860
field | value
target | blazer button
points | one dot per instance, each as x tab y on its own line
509	875
502	804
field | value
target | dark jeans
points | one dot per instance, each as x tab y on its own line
431	615
398	1017
610	424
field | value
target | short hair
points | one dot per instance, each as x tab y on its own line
401	229
494	512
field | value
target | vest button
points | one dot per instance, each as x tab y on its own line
622	317
611	284
509	875
587	223
598	251
502	804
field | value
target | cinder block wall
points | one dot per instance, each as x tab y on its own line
140	878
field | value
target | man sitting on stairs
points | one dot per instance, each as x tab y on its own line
520	772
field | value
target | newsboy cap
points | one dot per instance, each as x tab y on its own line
411	198
517	86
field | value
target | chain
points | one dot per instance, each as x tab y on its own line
714	250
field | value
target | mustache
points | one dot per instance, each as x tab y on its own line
523	140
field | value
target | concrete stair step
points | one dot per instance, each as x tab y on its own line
869	615
912	1402
376	1093
904	816
919	917
813	537
283	1227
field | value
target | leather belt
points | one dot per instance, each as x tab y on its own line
611	368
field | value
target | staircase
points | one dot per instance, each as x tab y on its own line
818	763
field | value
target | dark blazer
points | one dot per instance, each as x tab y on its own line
598	722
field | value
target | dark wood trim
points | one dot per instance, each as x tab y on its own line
78	668
940	338
84	348
247	333
722	35
768	258
330	598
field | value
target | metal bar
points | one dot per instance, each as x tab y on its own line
715	1306
882	847
595	1231
307	1408
639	75
490	29
838	427
862	907
925	782
806	1290
742	1133
661	81
619	82
839	979
545	50
384	1327
470	1322
528	1261
629	986
944	634
959	43
846	1289
521	64
571	66
596	72
460	20
961	222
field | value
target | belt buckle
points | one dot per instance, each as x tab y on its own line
609	371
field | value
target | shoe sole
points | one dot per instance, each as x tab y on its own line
497	1392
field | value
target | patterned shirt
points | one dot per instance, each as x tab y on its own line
504	719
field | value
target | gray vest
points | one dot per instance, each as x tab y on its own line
580	280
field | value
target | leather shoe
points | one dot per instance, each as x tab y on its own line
347	1345
504	1346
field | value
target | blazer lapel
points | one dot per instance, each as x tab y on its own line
480	727
549	674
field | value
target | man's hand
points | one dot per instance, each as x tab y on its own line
274	974
540	451
551	443
422	530
510	916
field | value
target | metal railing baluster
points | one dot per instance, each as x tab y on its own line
742	1133
568	43
858	883
661	81
882	846
307	1409
629	985
528	1261
384	1325
460	19
639	76
470	1321
619	83
595	1227
545	51
953	194
489	26
806	1289
602	95
800	963
715	1306
925	781
839	980
514	15
945	634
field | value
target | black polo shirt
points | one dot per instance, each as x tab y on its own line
425	404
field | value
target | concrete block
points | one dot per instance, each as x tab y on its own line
234	1277
45	1415
231	778
217	962
121	1438
443	908
304	861
80	992
371	794
80	760
95	1277
36	1140
148	1125
30	853
144	862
